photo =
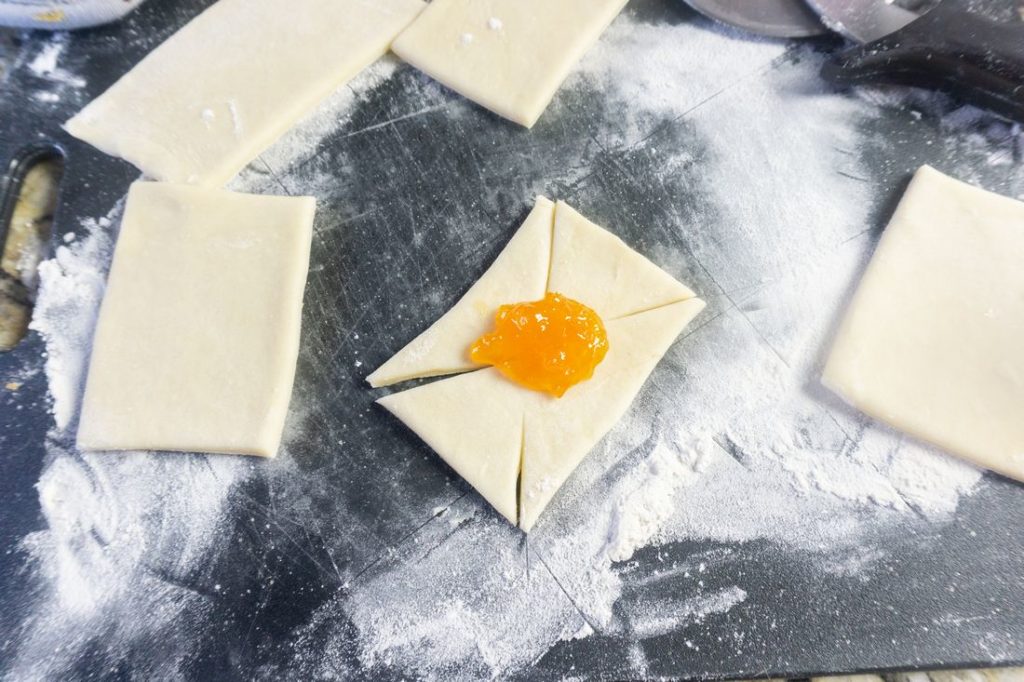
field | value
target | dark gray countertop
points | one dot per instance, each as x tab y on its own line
358	554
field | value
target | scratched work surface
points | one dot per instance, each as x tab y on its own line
739	521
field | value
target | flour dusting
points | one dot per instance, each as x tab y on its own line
46	63
654	619
71	286
303	140
123	532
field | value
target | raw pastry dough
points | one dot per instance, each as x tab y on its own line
592	265
933	342
497	434
518	274
558	433
198	333
510	56
223	88
481	438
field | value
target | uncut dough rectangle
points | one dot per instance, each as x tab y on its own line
933	342
218	92
198	333
510	56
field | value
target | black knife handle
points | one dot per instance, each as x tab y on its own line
953	48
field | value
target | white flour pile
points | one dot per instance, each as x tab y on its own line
752	449
72	285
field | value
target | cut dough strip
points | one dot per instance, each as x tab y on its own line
198	333
509	56
500	436
933	342
218	92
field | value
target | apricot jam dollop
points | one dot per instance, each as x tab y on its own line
548	345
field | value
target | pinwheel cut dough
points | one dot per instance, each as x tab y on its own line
500	436
198	333
218	92
933	342
510	56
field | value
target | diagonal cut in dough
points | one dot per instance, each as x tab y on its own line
198	333
481	439
509	56
217	93
933	341
518	274
502	437
559	433
613	279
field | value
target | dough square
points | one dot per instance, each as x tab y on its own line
933	341
516	446
509	56
198	333
218	92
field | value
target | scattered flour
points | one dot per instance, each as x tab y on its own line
70	290
46	97
653	619
638	516
46	63
303	141
123	532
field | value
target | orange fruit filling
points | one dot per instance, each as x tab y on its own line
548	345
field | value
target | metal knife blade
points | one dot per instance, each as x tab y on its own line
775	18
862	20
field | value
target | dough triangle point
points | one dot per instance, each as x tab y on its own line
559	433
519	273
474	421
592	265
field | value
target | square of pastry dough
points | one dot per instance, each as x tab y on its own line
218	92
198	333
514	445
509	56
933	342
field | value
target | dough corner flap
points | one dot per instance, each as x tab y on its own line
474	421
519	273
560	433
